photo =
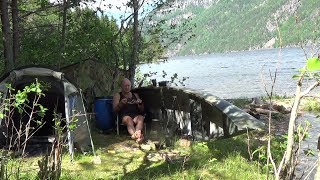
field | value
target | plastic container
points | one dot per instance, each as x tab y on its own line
104	113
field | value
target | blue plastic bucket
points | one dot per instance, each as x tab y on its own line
104	113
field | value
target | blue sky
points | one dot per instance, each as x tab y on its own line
118	8
115	8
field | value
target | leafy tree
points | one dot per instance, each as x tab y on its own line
54	35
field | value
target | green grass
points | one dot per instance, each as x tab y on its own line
221	159
311	105
276	97
241	102
122	158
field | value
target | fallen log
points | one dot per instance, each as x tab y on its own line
265	111
274	108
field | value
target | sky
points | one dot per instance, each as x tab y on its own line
115	8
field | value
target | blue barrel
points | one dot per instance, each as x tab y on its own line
104	113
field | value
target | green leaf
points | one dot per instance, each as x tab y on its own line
309	152
296	76
213	160
20	110
1	115
38	90
301	70
9	87
313	64
72	126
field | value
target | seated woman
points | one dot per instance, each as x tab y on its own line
129	107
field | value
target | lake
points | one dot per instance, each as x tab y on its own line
234	74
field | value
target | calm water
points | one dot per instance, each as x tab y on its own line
236	74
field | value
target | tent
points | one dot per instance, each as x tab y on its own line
61	96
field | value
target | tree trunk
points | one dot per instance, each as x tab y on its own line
6	37
116	66
15	31
293	116
63	33
134	60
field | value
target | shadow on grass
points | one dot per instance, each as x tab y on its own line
87	165
124	166
103	140
200	156
123	159
145	171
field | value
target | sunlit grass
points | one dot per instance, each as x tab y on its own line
311	105
122	158
241	102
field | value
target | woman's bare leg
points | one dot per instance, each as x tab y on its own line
127	120
138	120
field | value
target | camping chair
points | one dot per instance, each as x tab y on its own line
119	123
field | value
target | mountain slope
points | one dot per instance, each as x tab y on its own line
233	25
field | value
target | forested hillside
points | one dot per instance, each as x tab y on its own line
233	25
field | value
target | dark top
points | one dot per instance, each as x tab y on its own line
131	108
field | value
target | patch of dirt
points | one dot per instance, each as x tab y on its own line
154	150
124	145
170	156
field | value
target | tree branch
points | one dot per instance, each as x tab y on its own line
36	11
314	85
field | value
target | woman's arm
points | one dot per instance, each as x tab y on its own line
116	102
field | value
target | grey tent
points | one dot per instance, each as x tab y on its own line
61	95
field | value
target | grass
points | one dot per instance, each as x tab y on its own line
241	102
277	97
310	104
221	159
122	158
